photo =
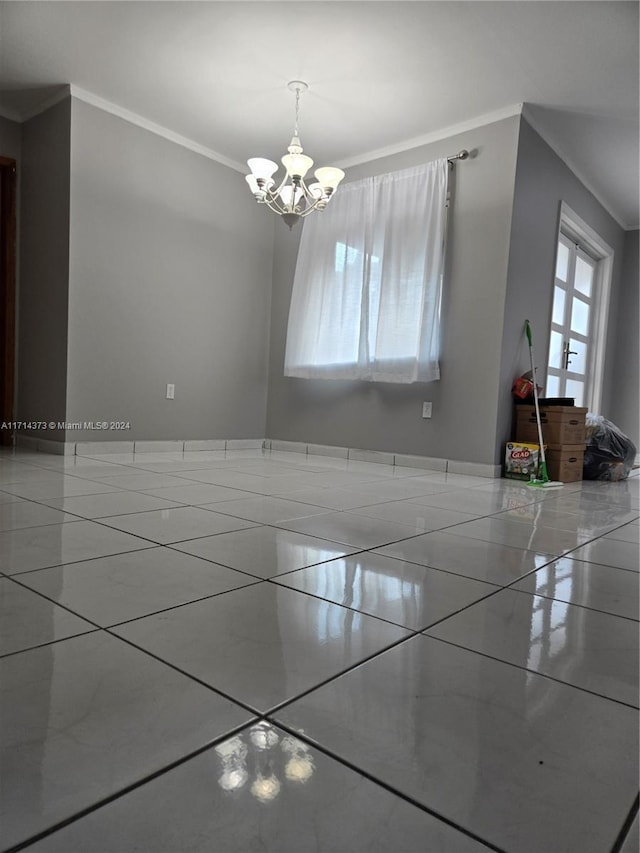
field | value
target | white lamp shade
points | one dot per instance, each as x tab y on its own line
261	168
329	177
297	164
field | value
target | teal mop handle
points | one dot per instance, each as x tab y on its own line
543	460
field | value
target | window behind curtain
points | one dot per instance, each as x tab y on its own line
368	282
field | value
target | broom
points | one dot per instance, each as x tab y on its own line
542	481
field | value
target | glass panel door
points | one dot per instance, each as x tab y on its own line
571	323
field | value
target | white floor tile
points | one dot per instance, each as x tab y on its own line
262	789
84	717
528	764
263	644
14	516
629	533
356	530
55	544
264	551
298	582
60	487
529	536
28	620
405	593
421	518
267	510
486	561
582	647
610	552
588	585
114	589
111	503
175	525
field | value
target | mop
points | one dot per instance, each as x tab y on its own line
542	481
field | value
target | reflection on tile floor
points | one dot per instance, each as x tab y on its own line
247	650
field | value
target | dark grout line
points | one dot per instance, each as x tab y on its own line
626	826
411	635
171	607
532	671
245	706
49	642
275	582
129	788
570	603
382	784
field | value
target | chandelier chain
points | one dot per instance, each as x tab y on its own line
297	110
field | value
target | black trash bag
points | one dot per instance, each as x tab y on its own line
610	453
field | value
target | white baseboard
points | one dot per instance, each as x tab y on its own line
354	454
45	445
327	450
97	448
405	460
244	444
430	463
474	469
205	444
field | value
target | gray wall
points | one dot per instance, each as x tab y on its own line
384	416
44	268
170	282
10	138
624	402
542	182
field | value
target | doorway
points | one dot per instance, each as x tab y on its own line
7	296
579	313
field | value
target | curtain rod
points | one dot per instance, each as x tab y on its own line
461	155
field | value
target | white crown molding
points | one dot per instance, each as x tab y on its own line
71	90
435	136
526	114
159	130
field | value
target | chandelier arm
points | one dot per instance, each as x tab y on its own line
273	204
310	209
312	201
282	185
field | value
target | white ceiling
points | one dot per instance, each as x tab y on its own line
383	75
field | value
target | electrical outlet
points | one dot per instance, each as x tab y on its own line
426	410
171	392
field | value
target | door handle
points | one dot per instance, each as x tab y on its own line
566	352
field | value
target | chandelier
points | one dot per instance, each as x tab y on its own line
293	198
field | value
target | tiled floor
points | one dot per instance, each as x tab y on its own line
249	651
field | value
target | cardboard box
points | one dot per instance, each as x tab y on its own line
560	424
521	460
564	462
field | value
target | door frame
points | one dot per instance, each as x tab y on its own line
575	228
7	294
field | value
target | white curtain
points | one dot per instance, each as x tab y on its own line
368	282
